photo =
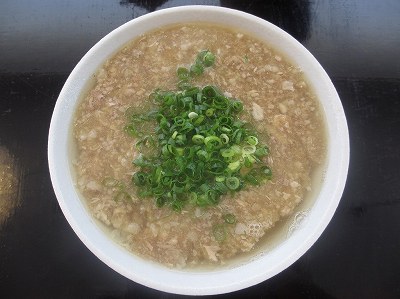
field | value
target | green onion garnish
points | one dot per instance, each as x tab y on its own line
229	218
232	183
193	146
219	232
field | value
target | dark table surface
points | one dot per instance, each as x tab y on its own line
358	44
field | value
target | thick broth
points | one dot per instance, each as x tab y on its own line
278	102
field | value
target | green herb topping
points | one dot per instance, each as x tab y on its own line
193	146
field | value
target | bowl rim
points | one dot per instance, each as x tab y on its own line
189	282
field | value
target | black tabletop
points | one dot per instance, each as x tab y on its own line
358	44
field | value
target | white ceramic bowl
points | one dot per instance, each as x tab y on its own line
219	280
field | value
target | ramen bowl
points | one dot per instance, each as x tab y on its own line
263	264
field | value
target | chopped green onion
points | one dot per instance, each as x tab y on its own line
179	151
252	140
203	155
212	142
192	115
131	130
224	138
198	139
210	112
160	201
221	188
237	106
219	178
251	179
206	58
199	120
227	152
234	166
229	218
261	151
193	147
236	149
196	69
139	178
184	84
232	183
210	91
177	205
219	232
209	59
226	129
248	149
183	73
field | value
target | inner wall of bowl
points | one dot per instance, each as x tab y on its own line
154	275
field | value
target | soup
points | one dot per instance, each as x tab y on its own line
278	103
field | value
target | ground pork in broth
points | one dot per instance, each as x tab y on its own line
278	102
